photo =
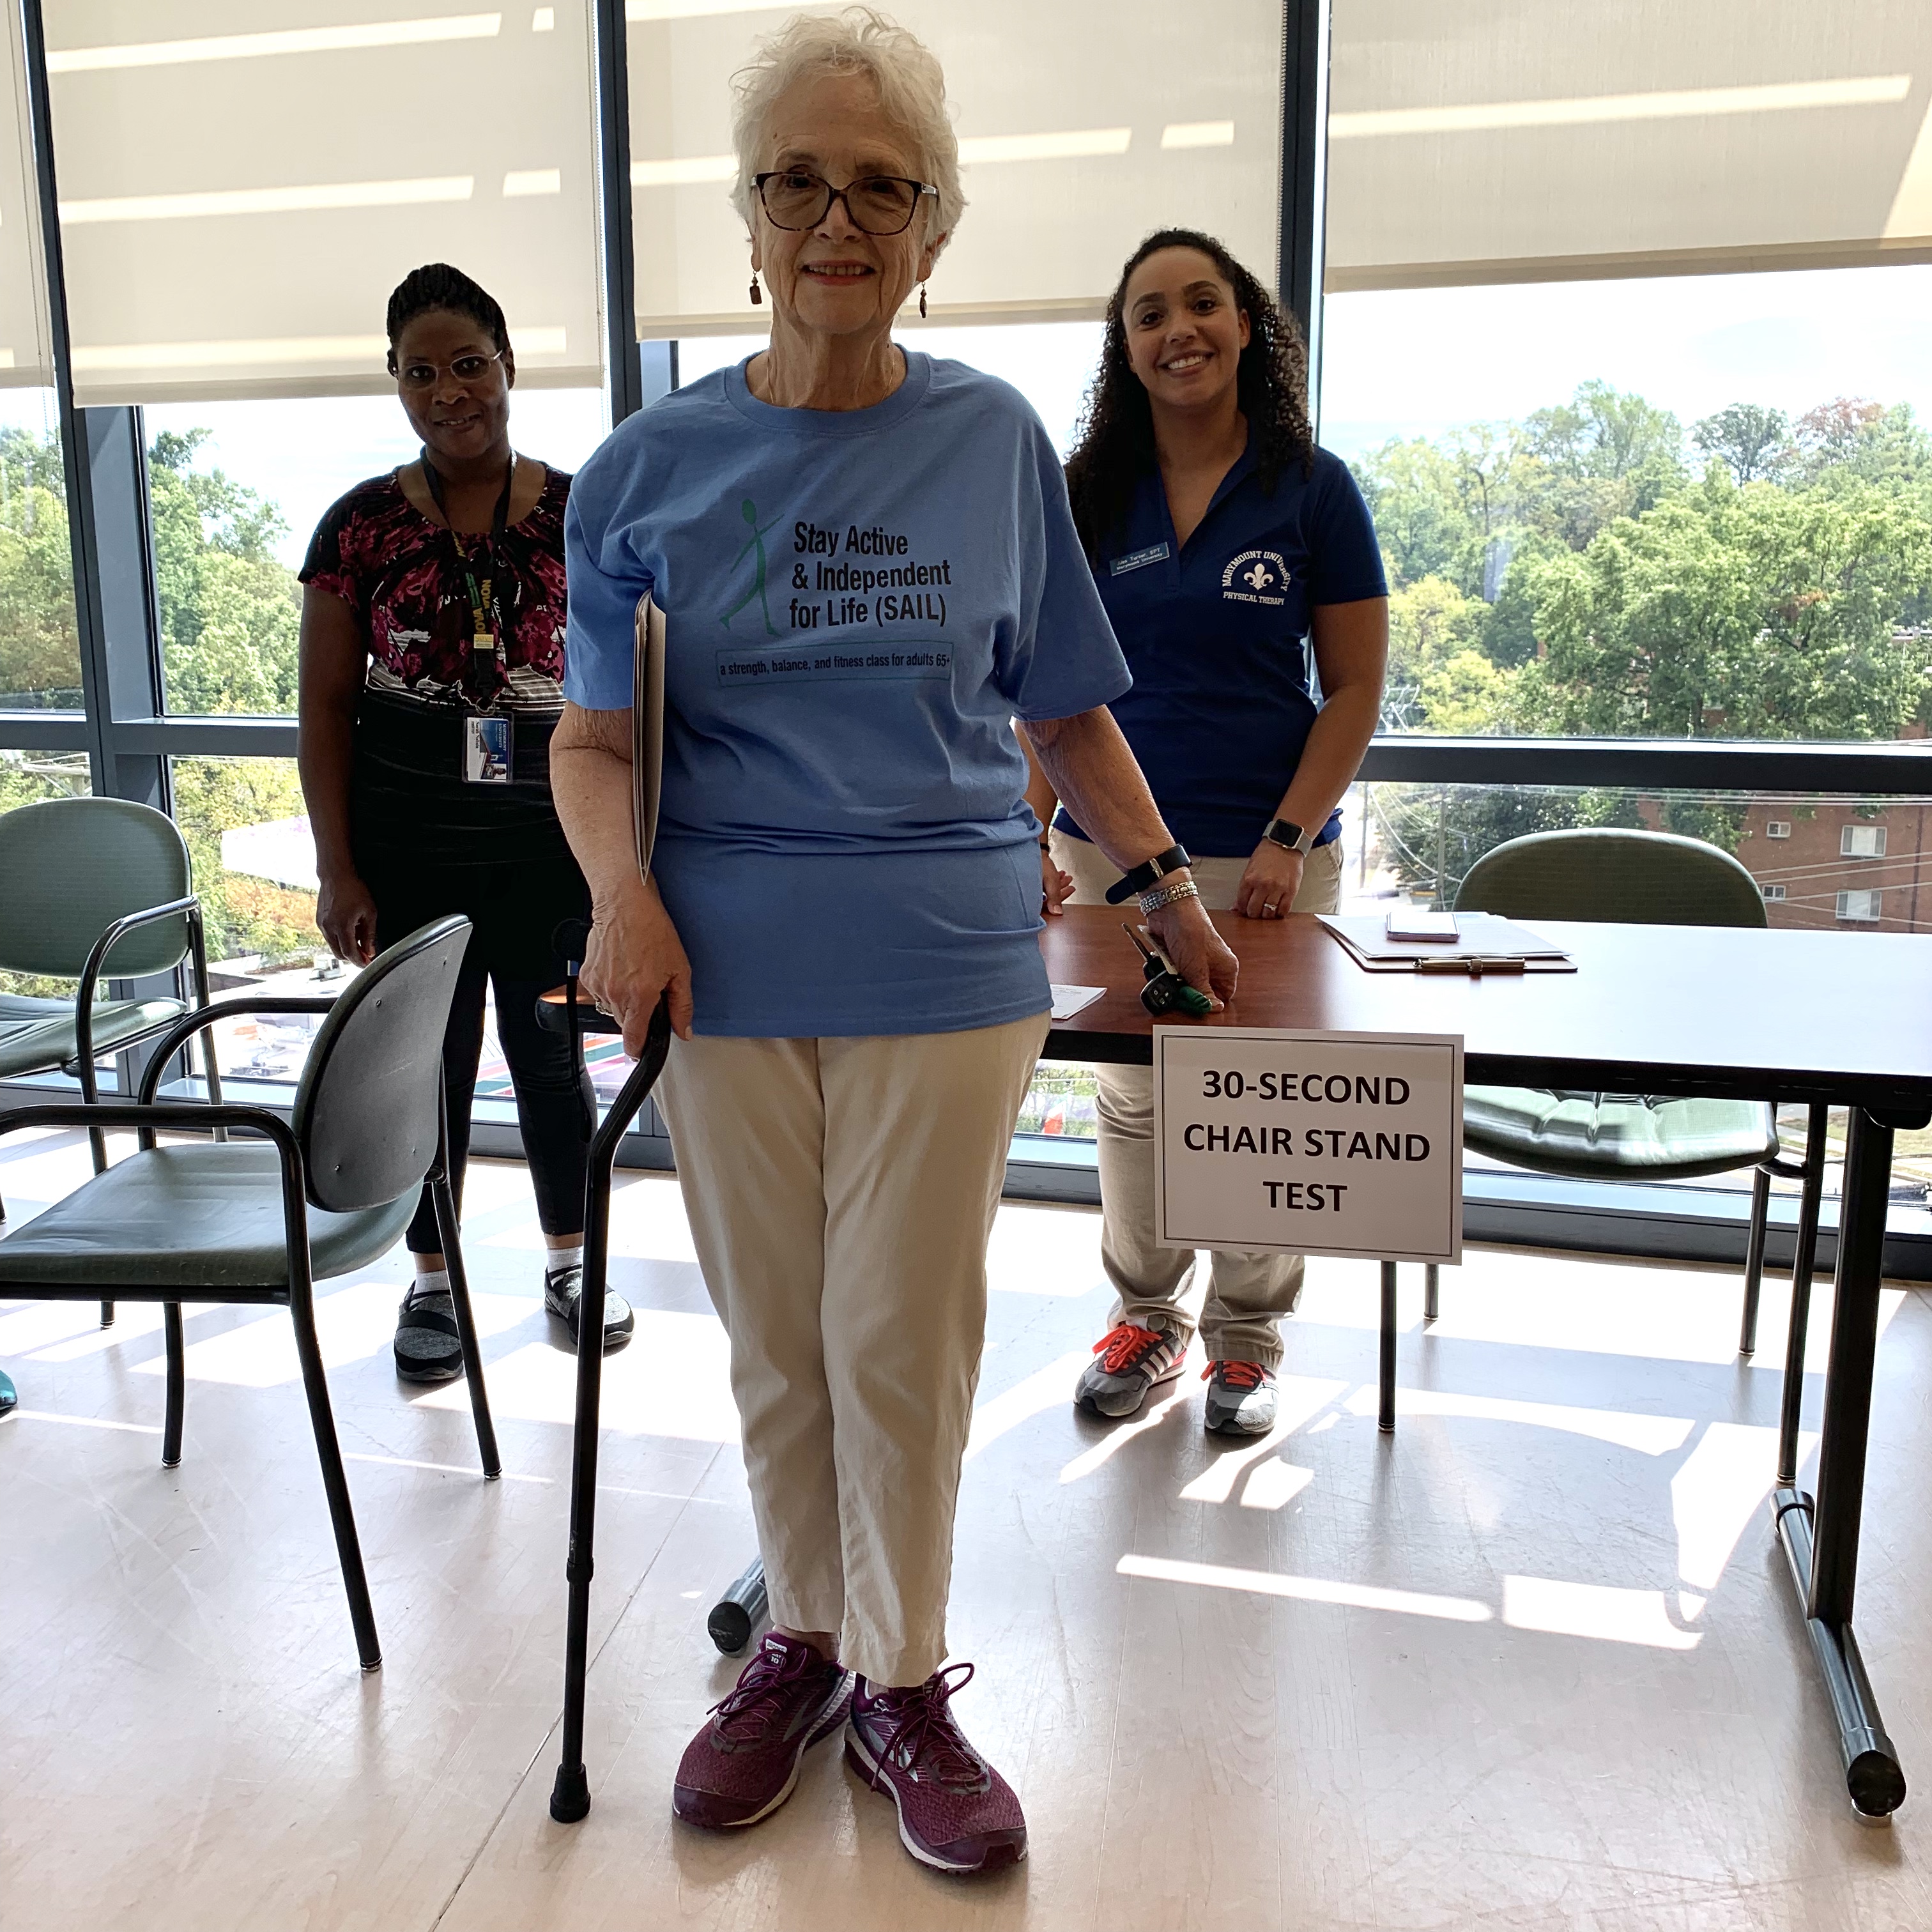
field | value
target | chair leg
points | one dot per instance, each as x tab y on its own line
1385	1415
1803	1256
450	1233
1760	1218
177	1391
334	1482
1432	1284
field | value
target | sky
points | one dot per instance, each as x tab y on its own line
1400	363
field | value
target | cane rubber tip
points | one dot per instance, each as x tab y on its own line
570	1795
1877	1786
730	1626
171	1463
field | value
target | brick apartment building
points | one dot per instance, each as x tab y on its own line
1841	864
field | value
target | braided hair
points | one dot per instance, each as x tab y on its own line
437	286
1116	445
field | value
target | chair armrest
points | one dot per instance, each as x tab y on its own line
90	976
189	1025
174	1115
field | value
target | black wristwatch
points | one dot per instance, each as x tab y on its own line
1174	859
1289	836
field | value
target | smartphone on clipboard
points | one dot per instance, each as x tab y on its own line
1416	925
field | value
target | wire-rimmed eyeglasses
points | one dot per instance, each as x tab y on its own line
419	373
797	198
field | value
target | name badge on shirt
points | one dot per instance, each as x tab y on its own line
486	748
1136	560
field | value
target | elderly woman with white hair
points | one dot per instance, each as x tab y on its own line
869	570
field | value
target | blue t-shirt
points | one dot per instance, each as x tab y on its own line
857	604
1215	634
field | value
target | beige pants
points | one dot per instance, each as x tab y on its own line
841	1194
1248	1294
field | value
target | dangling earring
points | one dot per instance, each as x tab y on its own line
922	301
756	296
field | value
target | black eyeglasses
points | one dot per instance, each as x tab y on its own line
422	375
875	204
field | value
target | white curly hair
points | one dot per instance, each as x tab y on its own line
857	40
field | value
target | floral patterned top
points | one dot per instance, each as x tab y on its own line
403	577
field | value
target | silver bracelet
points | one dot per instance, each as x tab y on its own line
1166	896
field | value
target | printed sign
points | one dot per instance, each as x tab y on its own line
1309	1143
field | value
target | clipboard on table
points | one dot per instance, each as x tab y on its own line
647	721
1486	943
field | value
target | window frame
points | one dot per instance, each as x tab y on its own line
130	738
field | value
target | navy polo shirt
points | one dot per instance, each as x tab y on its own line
1215	634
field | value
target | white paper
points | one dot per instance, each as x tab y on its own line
1278	1140
1068	1000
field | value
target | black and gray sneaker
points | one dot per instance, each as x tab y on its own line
563	1289
1129	1361
427	1347
1241	1399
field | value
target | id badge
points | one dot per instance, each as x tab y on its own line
486	748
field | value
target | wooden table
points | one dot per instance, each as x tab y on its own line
1820	1018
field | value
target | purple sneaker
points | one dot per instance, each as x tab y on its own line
745	1762
956	1813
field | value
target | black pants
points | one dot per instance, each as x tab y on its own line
554	1101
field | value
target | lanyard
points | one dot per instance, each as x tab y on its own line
486	608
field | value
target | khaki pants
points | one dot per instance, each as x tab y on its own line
1248	1294
841	1194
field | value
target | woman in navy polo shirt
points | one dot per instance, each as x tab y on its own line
1223	541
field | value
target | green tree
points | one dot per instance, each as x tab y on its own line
1753	443
230	609
40	639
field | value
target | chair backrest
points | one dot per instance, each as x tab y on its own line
368	1107
1608	875
70	867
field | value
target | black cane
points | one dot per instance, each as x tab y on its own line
570	1796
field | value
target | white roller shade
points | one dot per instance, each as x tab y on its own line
1523	140
26	359
1083	124
241	187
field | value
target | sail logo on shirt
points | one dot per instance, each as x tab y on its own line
1256	577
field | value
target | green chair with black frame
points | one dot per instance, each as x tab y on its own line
94	888
1646	878
259	1221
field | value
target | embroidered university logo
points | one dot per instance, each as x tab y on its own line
1256	577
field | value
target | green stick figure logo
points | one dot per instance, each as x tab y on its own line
755	543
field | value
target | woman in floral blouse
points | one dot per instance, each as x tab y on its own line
432	668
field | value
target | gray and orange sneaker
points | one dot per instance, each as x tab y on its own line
1128	1361
745	1763
1241	1399
956	1813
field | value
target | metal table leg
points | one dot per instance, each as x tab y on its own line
1385	1408
1821	1538
570	1795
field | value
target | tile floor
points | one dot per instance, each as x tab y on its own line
1530	1663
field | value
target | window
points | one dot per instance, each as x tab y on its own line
1403	839
1862	841
237	204
254	869
1614	481
40	638
1073	145
1778	828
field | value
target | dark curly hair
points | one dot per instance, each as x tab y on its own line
436	285
1116	446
